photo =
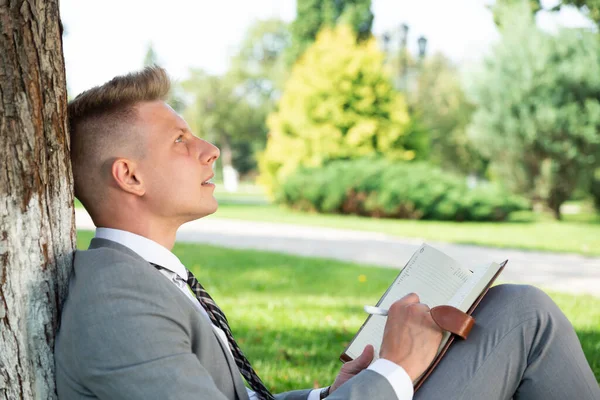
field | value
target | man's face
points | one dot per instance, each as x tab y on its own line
176	165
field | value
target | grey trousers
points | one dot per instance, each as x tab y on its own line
522	347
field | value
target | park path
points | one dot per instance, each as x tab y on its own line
561	272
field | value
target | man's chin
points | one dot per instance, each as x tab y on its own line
196	213
207	209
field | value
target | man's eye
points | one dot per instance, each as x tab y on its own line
179	139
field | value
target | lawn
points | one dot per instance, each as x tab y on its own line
293	320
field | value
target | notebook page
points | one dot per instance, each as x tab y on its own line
468	293
433	275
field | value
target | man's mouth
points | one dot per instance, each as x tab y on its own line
208	181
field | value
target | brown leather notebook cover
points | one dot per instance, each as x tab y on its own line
345	357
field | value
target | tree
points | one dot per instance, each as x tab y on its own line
441	104
221	113
595	187
314	15
538	109
175	98
37	227
338	103
259	65
531	6
151	58
590	7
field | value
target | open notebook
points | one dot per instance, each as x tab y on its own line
438	280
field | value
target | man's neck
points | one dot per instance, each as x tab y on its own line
159	233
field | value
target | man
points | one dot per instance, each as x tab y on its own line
138	325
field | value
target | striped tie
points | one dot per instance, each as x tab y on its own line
219	320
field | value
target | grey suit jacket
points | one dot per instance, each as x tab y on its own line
128	333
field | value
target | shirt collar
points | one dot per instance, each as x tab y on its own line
148	249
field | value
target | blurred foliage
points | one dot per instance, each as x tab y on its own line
538	109
176	95
589	7
151	57
337	103
314	15
379	188
532	6
259	64
231	110
441	104
220	114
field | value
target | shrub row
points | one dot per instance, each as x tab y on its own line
378	188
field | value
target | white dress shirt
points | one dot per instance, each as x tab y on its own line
176	272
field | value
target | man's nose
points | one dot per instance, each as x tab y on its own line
208	152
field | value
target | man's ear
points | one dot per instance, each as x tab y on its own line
126	175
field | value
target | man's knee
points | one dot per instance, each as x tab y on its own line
525	297
527	293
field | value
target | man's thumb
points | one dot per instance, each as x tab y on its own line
361	362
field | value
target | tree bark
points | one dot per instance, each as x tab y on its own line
37	230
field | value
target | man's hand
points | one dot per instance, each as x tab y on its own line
353	367
411	337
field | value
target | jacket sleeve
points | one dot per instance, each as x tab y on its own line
366	385
293	395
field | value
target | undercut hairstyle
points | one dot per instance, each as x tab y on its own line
102	128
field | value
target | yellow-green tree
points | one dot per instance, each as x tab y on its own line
337	104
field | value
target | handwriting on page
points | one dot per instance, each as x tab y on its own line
431	274
468	293
463	291
434	288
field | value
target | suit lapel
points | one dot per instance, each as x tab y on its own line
238	383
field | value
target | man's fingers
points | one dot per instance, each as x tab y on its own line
408	299
361	362
419	307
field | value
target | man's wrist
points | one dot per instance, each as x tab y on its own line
324	393
396	376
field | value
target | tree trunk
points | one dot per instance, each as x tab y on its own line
37	230
226	152
554	201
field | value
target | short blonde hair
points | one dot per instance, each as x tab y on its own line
100	124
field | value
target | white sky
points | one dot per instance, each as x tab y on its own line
110	37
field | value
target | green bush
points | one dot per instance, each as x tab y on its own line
379	188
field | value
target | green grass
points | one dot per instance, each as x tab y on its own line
575	234
292	319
